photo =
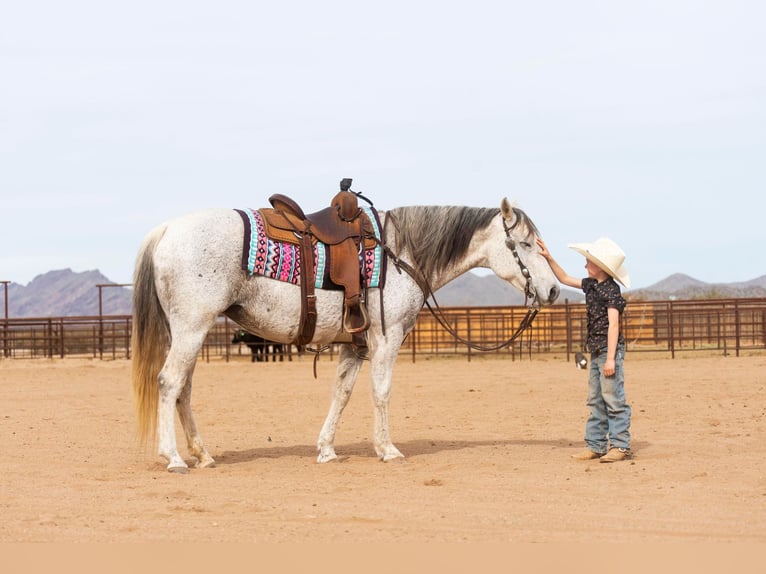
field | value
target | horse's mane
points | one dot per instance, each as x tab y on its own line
435	236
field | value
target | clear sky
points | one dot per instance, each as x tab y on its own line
644	121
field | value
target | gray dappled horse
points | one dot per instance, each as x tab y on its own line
188	271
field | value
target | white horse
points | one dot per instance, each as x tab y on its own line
189	271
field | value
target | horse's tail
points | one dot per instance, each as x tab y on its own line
150	339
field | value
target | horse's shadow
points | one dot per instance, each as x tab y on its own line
411	449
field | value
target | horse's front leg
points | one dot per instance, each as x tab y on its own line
382	372
345	377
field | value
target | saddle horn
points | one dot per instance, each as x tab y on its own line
345	185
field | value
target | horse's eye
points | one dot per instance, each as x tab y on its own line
525	244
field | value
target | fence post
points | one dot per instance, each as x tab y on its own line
226	336
671	333
736	326
763	328
49	339
5	323
127	337
568	320
468	328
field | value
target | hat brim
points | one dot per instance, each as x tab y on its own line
620	274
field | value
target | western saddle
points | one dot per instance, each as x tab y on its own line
346	230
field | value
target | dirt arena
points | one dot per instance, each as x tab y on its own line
488	447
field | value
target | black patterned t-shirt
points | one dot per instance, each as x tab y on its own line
598	298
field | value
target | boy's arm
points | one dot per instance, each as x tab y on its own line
558	271
612	336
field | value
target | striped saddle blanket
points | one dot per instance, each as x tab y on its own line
278	260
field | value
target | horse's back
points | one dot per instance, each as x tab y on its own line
198	258
205	234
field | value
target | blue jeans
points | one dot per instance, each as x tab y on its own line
609	419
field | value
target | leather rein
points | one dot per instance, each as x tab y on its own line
436	310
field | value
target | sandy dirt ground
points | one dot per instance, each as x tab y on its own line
488	446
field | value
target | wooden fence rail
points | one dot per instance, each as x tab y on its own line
727	326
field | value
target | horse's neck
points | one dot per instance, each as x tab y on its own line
448	275
441	277
473	259
444	276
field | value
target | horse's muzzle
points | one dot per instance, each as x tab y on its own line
537	301
553	294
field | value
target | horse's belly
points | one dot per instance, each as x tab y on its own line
272	309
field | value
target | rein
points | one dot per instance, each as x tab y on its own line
436	311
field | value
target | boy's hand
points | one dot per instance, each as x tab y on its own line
609	368
543	249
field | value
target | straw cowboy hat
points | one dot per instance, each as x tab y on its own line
607	255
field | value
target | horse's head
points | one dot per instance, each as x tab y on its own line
514	256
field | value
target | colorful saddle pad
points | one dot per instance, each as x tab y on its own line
262	255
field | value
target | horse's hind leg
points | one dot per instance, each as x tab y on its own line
193	438
173	379
345	377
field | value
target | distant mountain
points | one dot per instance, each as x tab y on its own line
471	290
757	282
680	286
64	293
677	282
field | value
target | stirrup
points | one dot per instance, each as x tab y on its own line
348	320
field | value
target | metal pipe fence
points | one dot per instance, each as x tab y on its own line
106	337
729	326
726	326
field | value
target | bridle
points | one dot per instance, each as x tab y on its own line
436	311
529	289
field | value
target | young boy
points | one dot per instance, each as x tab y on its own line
607	434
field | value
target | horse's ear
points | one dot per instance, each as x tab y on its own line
506	208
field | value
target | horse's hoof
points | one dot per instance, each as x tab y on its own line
395	459
325	458
207	464
391	455
178	469
338	460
